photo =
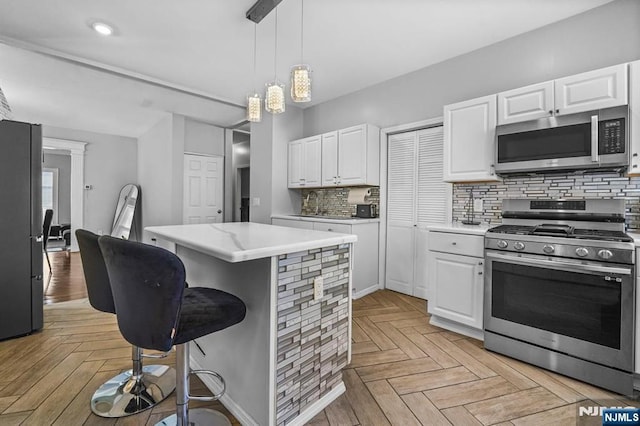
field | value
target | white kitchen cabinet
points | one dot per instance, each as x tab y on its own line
417	196
469	140
351	156
526	103
593	90
365	250
602	88
634	118
329	159
456	282
304	162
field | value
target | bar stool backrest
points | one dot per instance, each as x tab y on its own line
147	284
95	272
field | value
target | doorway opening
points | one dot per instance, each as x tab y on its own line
241	184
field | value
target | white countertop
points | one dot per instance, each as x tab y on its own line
328	219
460	228
241	241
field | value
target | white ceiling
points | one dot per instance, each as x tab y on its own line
55	70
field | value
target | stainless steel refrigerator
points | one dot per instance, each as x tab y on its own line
21	221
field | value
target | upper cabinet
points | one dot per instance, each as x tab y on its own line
304	162
603	88
634	117
469	140
525	103
346	157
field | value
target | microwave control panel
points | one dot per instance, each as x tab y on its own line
611	138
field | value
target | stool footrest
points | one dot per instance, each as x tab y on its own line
215	396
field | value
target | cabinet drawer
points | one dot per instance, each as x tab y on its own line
292	223
332	227
449	242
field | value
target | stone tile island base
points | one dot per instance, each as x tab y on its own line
282	364
313	335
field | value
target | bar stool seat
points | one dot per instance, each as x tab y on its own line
156	311
141	387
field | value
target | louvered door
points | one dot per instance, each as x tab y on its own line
416	198
401	212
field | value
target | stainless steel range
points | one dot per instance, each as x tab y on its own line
559	289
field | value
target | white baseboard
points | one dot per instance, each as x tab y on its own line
318	406
365	291
246	420
457	327
242	416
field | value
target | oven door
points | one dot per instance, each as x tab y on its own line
583	309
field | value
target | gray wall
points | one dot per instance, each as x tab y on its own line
62	162
603	36
203	138
269	143
110	163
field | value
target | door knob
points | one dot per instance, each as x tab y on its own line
219	211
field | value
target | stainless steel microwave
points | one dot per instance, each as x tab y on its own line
591	140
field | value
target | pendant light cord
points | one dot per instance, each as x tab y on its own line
302	32
255	42
275	55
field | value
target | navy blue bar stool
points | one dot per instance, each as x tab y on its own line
156	311
135	390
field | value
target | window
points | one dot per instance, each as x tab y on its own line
50	192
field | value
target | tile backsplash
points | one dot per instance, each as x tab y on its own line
333	201
567	186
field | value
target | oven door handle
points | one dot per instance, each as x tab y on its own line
560	265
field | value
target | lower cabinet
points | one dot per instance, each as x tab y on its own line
365	250
455	272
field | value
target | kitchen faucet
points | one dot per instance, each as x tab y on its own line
317	201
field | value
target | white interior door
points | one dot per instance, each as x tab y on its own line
203	189
401	206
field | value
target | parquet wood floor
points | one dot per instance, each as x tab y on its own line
403	372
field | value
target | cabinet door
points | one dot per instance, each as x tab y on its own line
332	227
456	288
330	159
526	103
352	155
294	172
311	161
469	133
603	88
634	118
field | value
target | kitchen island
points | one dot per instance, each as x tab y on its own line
283	363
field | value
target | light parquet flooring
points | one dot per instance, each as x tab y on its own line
404	371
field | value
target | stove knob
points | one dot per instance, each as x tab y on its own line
502	244
582	252
518	246
548	249
605	254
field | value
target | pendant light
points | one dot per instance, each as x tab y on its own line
254	102
274	98
301	74
5	109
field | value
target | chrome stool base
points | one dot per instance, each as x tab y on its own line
123	395
198	417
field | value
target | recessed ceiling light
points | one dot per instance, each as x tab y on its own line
102	28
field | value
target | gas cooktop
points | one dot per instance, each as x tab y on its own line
564	231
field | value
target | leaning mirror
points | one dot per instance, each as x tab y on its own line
125	219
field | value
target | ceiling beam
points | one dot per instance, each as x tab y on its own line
261	9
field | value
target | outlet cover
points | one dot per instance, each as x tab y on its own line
318	288
256	201
477	204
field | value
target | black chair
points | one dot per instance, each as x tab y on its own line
156	311
46	228
137	389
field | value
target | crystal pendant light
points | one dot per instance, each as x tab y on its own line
5	109
301	74
274	98
254	102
